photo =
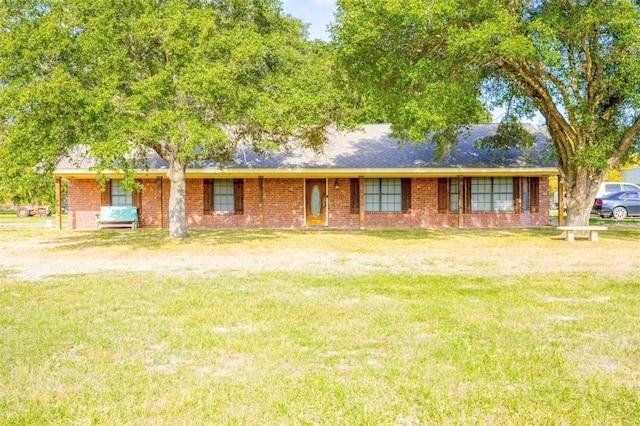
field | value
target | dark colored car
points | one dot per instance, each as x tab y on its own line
618	205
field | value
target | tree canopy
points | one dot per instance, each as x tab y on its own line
189	79
435	66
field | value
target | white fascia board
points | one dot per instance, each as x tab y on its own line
320	172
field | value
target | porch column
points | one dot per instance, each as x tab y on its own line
160	208
261	201
560	202
361	195
461	204
59	204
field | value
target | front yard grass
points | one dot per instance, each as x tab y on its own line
308	347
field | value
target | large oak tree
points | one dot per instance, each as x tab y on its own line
434	66
189	79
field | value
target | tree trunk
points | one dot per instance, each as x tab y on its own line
177	200
581	188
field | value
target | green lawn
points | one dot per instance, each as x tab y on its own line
384	347
9	220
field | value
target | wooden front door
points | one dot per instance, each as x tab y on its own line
315	203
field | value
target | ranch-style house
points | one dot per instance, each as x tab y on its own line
362	180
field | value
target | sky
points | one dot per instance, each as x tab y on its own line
317	13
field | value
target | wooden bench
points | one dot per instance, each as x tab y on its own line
117	217
569	231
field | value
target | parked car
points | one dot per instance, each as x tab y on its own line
607	188
618	205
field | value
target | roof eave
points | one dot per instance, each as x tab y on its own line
320	172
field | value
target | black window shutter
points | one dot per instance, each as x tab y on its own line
443	195
207	195
355	196
517	194
534	194
105	197
238	196
406	194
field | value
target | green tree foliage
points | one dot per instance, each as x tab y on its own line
188	79
26	188
435	66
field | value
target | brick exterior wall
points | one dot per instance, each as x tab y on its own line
84	203
339	205
284	208
284	203
149	211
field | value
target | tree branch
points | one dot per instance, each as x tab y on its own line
573	68
538	91
588	72
627	139
556	134
560	87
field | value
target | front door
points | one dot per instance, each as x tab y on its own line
316	206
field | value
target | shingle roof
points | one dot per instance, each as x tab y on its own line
371	147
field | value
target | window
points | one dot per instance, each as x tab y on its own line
492	194
382	195
525	194
612	187
481	194
454	192
489	194
114	195
118	196
502	191
223	196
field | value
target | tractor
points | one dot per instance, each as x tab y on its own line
26	211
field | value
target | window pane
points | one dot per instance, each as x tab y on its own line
391	186
372	186
481	194
453	194
372	195
223	199
390	202
391	195
503	194
118	196
371	204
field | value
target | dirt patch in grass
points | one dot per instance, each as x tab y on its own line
36	255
